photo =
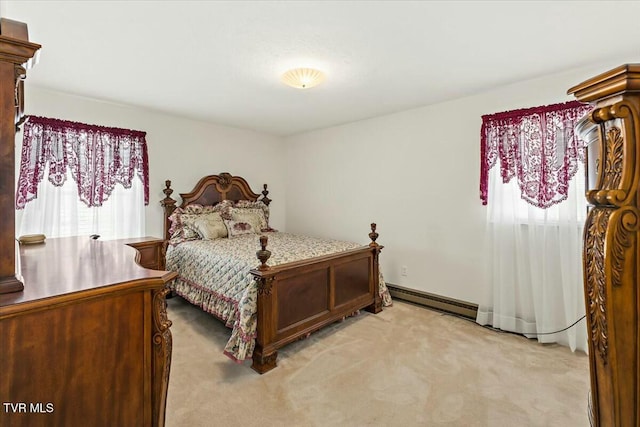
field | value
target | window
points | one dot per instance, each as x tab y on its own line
535	217
97	180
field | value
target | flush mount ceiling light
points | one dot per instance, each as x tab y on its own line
303	78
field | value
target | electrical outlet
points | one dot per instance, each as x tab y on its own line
403	270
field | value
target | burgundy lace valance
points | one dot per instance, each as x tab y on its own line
97	157
538	146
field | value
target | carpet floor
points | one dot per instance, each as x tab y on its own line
406	366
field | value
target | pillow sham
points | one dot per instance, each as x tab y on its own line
183	234
248	204
210	226
257	207
238	228
255	217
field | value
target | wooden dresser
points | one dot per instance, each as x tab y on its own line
87	342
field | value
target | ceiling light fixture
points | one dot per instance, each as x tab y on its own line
303	78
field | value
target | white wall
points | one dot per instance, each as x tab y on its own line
181	150
416	174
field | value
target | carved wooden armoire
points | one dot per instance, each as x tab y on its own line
15	53
611	254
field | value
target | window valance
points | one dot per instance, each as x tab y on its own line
96	157
538	146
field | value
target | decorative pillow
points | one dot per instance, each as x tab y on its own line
180	230
258	217
210	226
236	228
255	217
183	226
184	234
258	204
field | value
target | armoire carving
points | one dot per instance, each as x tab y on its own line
611	254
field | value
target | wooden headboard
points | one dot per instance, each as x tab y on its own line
210	190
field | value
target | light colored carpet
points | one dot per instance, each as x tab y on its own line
406	366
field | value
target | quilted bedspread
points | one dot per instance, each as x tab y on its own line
214	275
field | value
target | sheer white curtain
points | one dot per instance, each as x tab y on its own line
536	264
58	212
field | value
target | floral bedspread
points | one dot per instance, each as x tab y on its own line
214	275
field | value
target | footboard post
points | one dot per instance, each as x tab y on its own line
376	307
264	355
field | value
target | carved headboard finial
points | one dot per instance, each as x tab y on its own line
373	235
169	205
168	202
224	180
265	199
168	190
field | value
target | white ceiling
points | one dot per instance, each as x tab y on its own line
221	61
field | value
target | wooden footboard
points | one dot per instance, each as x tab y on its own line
298	298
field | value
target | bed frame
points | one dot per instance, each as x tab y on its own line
297	298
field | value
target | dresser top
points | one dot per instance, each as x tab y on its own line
63	266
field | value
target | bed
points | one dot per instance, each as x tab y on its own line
269	287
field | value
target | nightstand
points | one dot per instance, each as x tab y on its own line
150	251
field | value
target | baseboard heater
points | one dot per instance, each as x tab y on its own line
436	302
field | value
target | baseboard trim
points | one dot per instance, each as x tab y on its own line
436	302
